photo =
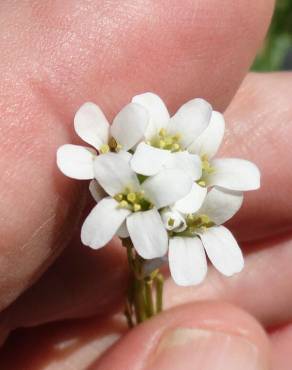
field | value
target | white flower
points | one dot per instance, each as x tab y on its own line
90	124
132	205
167	136
203	232
229	173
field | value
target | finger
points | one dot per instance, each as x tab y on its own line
281	340
258	296
58	55
259	129
196	336
263	288
73	345
81	283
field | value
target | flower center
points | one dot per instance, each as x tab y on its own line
163	140
133	201
173	221
112	146
196	224
207	169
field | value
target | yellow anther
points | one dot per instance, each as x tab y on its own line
177	137
131	197
205	219
201	183
162	132
124	204
112	143
104	149
118	147
119	197
162	144
168	140
175	147
136	207
190	217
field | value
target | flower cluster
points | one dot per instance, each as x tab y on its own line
155	181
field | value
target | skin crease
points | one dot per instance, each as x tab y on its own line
58	55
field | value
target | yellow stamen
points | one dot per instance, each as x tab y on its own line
136	207
131	197
205	219
162	132
175	147
124	204
119	197
104	149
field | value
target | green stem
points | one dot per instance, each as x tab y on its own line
159	280
139	301
140	304
129	314
149	298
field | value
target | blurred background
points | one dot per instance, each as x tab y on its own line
276	53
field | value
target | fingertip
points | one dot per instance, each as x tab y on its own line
194	336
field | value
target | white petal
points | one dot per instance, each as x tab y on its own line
167	187
209	141
190	163
102	223
148	160
187	260
123	231
158	112
193	201
223	250
129	126
91	125
148	234
114	174
190	120
76	161
234	174
173	220
96	191
220	205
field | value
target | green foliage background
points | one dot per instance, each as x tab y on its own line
279	40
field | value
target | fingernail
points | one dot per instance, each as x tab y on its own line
192	349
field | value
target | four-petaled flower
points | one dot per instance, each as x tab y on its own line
193	234
90	124
167	136
227	173
133	202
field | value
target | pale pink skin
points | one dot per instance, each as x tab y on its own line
57	55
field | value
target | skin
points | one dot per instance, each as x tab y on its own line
57	55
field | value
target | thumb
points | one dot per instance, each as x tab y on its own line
199	336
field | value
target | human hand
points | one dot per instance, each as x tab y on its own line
58	55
